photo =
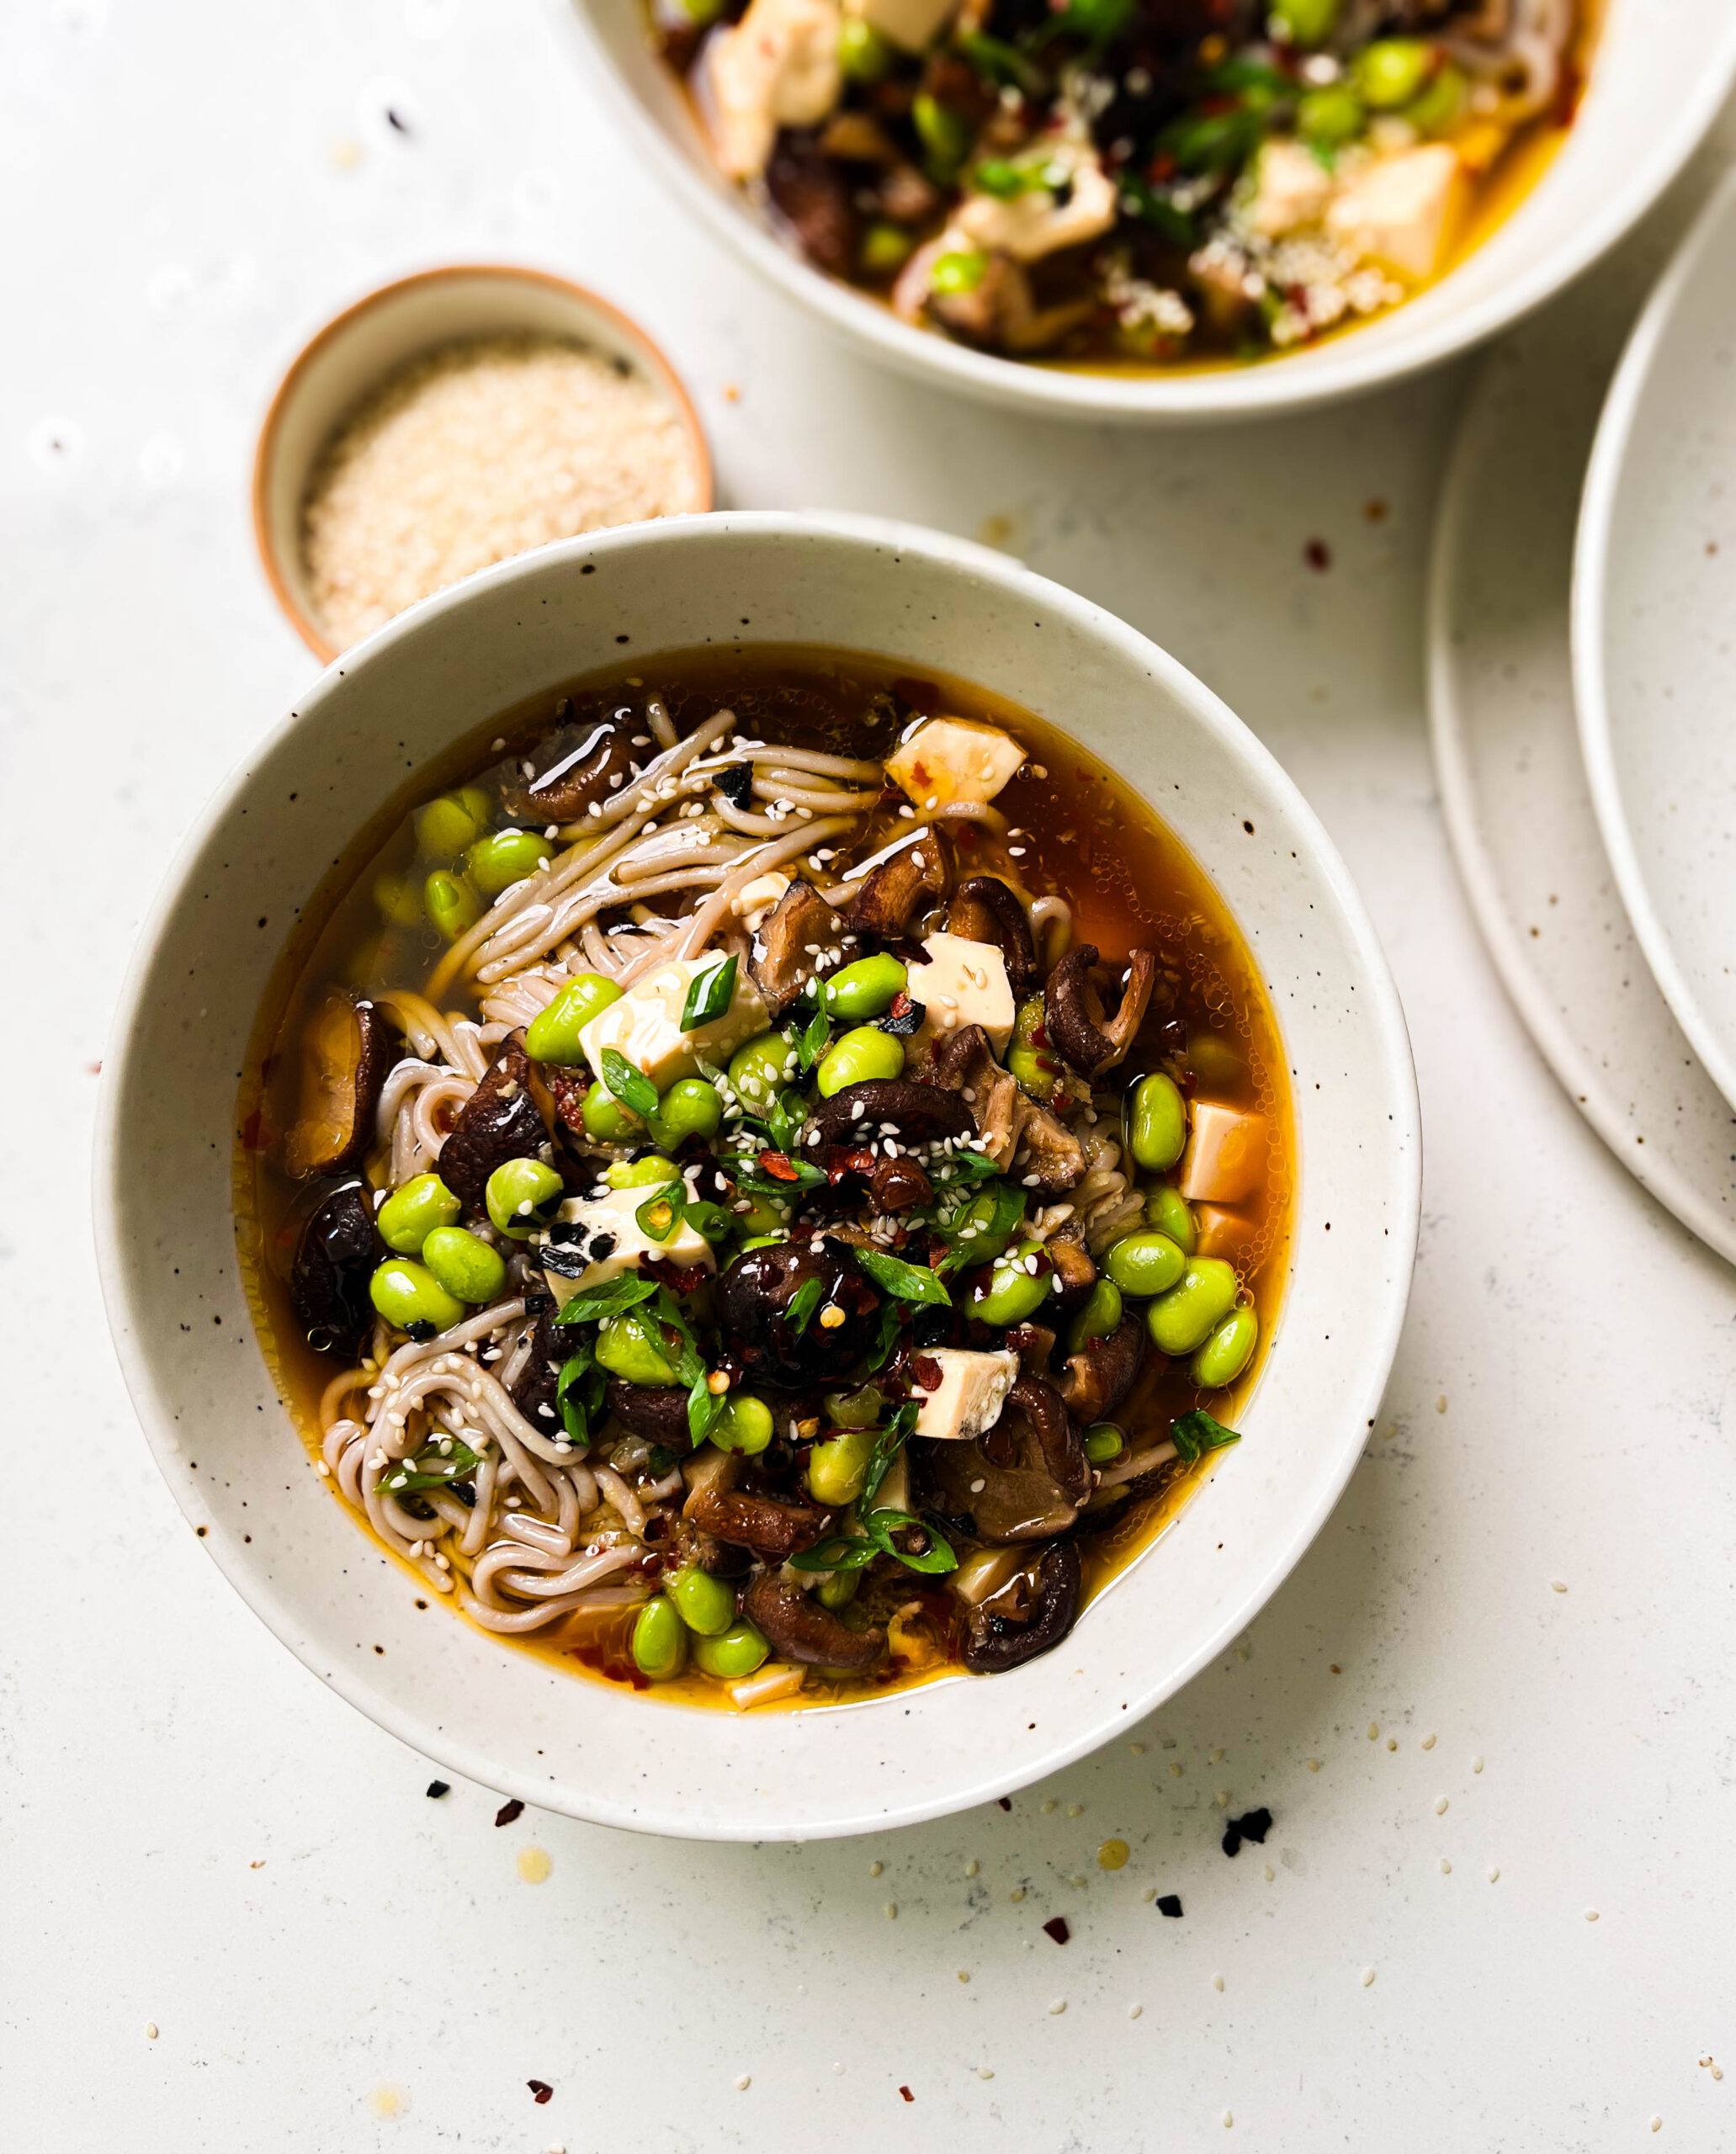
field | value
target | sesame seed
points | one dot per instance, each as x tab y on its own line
1367	1977
875	1869
1441	1806
1134	2011
892	1911
1592	1914
973	1868
1217	1981
742	2082
1057	2006
1446	1867
1493	1874
151	2030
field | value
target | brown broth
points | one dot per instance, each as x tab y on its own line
1088	837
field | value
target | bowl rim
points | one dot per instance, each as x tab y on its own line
1401	1192
1256	391
339	324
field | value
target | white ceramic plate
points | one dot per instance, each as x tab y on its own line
167	1236
1655	634
1506	749
1659	75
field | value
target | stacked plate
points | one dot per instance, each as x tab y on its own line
1583	693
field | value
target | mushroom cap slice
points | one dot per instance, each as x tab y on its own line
1104	1371
985	909
657	1412
578	762
508	1117
1024	1480
917	877
799	1629
754	1297
771	1526
917	1114
1072	1008
995	1640
792	944
334	1260
346	1051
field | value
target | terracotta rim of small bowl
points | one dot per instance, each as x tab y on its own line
299	620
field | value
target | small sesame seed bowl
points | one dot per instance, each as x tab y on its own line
450	419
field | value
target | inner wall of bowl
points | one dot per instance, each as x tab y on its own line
184	1329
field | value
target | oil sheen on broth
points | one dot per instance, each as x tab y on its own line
1065	827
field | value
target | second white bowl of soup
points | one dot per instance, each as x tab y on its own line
853	1392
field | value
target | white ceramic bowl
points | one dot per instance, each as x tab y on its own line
1660	73
167	1242
1654	662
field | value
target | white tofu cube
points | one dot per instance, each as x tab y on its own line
1225	1159
1038	222
778	67
1402	211
1221	1233
972	1390
645	1024
952	759
911	25
601	1237
754	900
1291	188
963	983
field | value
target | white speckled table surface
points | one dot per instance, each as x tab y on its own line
233	1918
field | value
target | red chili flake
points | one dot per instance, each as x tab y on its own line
1161	167
1056	1926
902	1004
255	1135
777	1165
508	1810
964	837
678	1278
907	2095
94	1067
926	1372
1318	554
540	2089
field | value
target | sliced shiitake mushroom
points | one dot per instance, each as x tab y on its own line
588	760
916	1114
1024	1480
1104	1371
535	1388
508	1117
346	1051
1027	1617
986	910
799	1629
1074	1013
334	1260
657	1412
1014	1124
1075	1267
894	892
790	947
754	1297
772	1527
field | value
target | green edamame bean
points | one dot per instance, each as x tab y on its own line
624	1349
1331	116
1029	1057
399	900
450	902
1391	70
1308	21
866	1052
838	1589
863	54
691	1108
553	1034
1098	1318
408	1296
447	825
606	1119
465	1264
659	1639
741	1650
867	989
884	248
1169	1211
1013	1293
837	1468
1157	1122
1441	105
745	1424
1193	1309
1102	1442
522	1195
763	1219
981	1242
1217	1365
758	1070
504	857
411	1214
642	1174
762	1241
1146	1264
704	1604
856	1409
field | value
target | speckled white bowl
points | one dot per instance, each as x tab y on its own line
1661	70
167	1235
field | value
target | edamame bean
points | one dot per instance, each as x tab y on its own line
1308	21
689	1108
624	1349
450	902
1029	1057
838	1589
1442	105
867	989
465	1264
447	825
522	1195
856	1409
399	900
659	1639
1331	116
1157	1122
981	1241
704	1604
1013	1293
1098	1318
504	857
837	1468
409	1296
1391	70
1146	1264
763	1219
553	1034
865	1054
606	1119
1103	1442
1227	1352
1168	1210
1193	1309
863	54
762	1241
741	1650
411	1214
759	1069
650	1173
745	1424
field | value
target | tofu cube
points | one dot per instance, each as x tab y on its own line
909	24
595	1238
963	983
1221	1233
645	1024
1402	211
953	759
778	67
1225	1159
1291	188
972	1390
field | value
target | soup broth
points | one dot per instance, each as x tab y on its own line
405	1006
